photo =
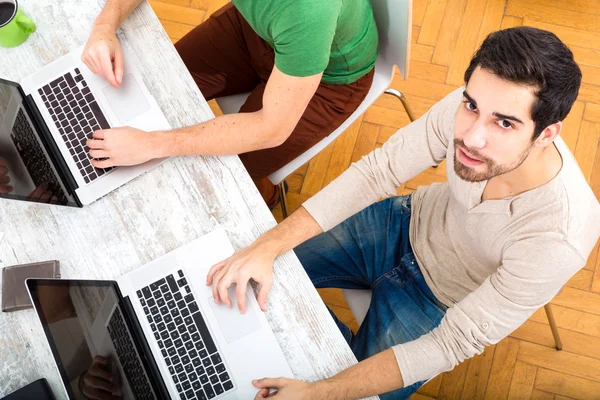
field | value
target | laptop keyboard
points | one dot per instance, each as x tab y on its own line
33	157
128	357
77	115
183	337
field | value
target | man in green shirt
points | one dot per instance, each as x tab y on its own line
307	63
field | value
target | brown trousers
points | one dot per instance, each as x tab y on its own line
225	56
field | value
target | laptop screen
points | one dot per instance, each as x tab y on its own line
26	170
86	327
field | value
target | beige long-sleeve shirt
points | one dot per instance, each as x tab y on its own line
493	262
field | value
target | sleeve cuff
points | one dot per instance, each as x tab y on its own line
420	360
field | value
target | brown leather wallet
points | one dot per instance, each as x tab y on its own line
14	292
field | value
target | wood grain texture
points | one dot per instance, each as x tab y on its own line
181	200
522	382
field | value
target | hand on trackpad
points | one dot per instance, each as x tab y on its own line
127	101
234	325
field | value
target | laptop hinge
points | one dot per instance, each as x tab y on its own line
144	349
53	151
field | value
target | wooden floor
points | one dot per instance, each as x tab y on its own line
445	34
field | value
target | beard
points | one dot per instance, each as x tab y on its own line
492	168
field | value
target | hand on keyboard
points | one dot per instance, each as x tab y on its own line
121	146
98	382
4	178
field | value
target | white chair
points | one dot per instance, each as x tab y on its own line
394	24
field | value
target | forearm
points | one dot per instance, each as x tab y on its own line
115	12
224	135
375	375
294	230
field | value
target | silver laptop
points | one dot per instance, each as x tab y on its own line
46	120
160	328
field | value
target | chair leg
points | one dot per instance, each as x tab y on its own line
401	97
553	326
282	199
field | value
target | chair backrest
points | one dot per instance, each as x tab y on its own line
394	24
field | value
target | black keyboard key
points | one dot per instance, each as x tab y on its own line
168	318
181	351
172	351
203	378
208	341
164	288
146	292
180	273
182	282
171	370
98	114
171	326
185	312
168	296
171	304
189	368
214	379
178	296
161	326
210	371
151	302
192	377
206	362
203	353
190	394
178	343
178	386
179	368
175	360
181	329
187	289
174	335
168	343
228	385
196	362
200	395
186	385
156	294
193	307
182	375
196	384
193	353
164	310
209	391
224	377
178	321
200	370
218	389
181	305
199	345
220	368
189	345
172	284
185	360
189	298
216	359
160	302
195	337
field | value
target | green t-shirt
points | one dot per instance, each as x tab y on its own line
336	37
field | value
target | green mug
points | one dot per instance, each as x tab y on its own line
15	27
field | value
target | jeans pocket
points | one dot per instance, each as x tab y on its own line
405	273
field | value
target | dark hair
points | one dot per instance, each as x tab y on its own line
533	57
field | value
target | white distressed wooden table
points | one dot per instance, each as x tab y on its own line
179	201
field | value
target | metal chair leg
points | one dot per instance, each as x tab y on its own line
553	326
282	199
401	97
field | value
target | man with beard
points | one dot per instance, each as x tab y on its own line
455	266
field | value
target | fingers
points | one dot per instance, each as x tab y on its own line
107	163
213	270
107	68
266	383
37	193
98	153
3	162
118	65
5	189
3	169
222	288
240	293
99	134
97	394
265	286
4	178
45	197
262	394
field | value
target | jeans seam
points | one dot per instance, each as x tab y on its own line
344	278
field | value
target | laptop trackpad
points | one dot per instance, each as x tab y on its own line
127	101
233	324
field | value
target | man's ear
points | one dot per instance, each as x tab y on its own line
549	134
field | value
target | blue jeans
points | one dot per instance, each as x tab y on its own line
371	250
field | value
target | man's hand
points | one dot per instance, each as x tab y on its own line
121	146
253	262
287	389
4	178
103	54
97	382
